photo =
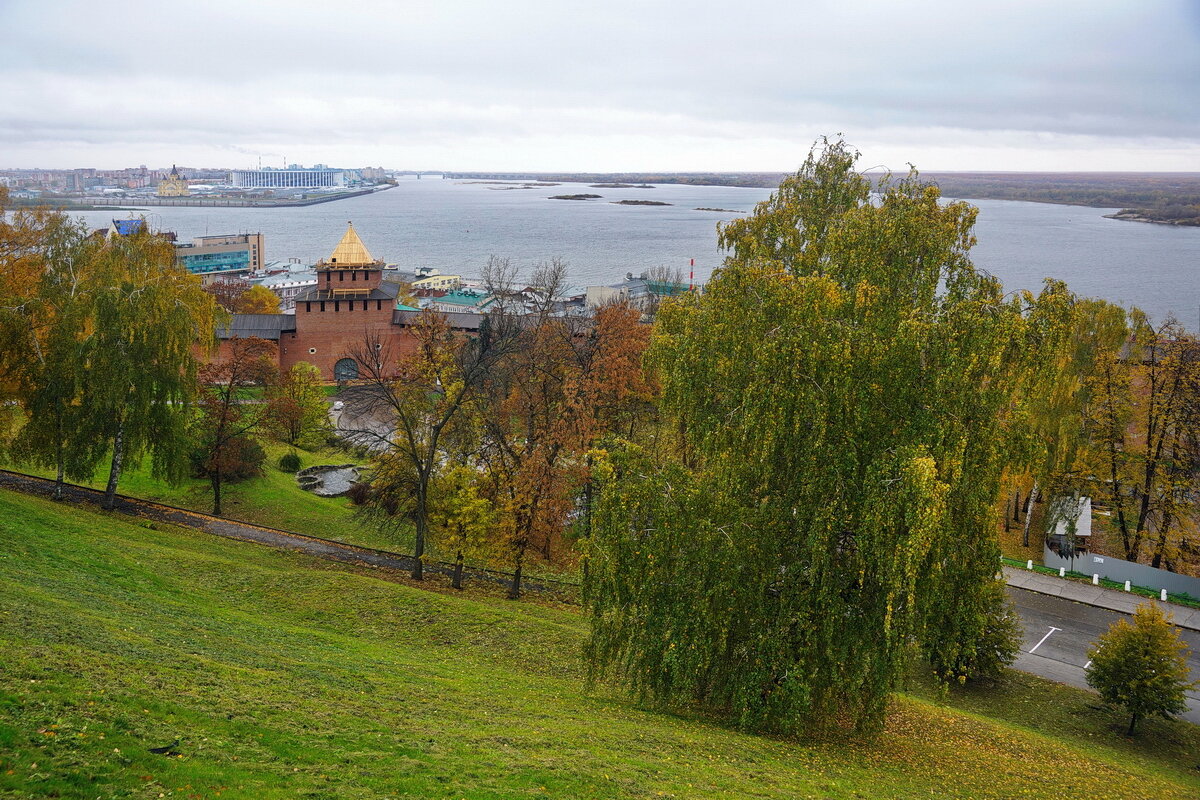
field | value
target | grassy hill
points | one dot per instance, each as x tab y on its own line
288	677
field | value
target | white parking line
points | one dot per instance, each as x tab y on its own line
1044	638
1089	663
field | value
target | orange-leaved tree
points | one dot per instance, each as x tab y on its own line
569	383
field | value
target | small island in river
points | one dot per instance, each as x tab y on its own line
639	203
722	210
621	186
575	197
1189	216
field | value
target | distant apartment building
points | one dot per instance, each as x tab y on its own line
294	177
219	255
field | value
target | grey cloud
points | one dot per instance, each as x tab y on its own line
189	72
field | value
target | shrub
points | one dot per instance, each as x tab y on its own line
289	462
359	493
245	458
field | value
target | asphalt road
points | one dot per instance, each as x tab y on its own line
1059	633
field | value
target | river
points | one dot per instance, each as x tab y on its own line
456	225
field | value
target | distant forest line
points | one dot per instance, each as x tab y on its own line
1171	197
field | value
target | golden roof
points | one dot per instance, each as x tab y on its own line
350	252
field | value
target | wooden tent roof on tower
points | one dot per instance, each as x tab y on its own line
350	253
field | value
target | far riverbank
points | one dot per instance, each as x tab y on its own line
199	201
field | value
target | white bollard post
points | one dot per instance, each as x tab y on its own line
1029	564
1062	572
1095	579
1163	595
1127	586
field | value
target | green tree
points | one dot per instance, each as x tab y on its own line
461	519
1068	339
1141	666
49	356
299	414
843	391
148	317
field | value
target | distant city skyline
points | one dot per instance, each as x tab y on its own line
622	86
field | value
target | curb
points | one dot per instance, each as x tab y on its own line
1096	596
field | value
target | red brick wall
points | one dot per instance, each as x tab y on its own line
334	334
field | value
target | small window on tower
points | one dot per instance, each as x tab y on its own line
312	351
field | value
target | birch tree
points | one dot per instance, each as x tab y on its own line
843	390
149	316
49	328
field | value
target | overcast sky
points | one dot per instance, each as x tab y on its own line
601	86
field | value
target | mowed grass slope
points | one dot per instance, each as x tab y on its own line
287	677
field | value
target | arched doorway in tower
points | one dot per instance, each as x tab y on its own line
345	369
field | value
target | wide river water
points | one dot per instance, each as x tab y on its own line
456	225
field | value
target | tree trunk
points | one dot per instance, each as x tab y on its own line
1161	546
588	490
114	470
418	572
215	480
1133	720
514	590
1007	524
588	498
59	459
1030	500
458	568
1017	506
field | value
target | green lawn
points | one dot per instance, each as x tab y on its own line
288	677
